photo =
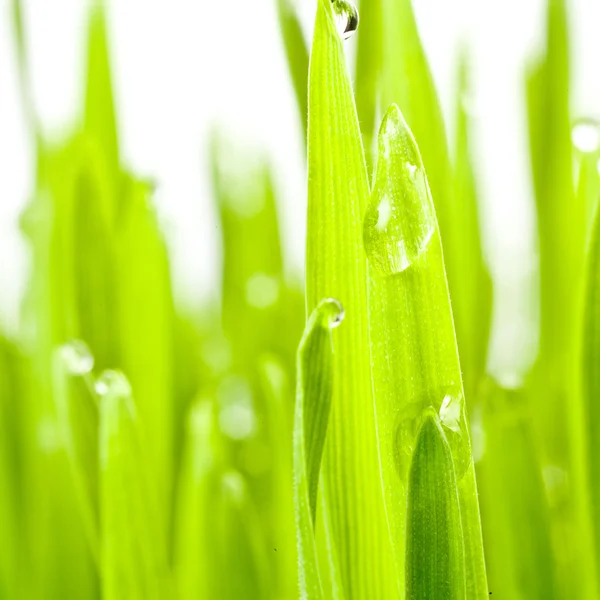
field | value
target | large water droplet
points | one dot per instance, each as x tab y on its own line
113	383
346	17
262	291
585	135
77	357
237	419
331	312
400	220
449	406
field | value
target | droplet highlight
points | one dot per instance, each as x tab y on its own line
400	220
237	419
449	409
331	312
585	136
346	18
113	383
77	357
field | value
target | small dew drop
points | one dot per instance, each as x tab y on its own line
113	383
233	486
400	220
77	357
585	136
332	312
237	419
450	412
48	437
556	483
346	17
262	291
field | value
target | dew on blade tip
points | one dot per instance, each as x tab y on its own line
346	18
585	135
332	312
77	357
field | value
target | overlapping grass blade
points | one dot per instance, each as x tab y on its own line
133	554
313	406
413	346
435	562
336	268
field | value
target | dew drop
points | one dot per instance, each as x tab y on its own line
332	312
112	383
449	407
585	136
237	419
234	487
77	357
346	17
262	291
400	220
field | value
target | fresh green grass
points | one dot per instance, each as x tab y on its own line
147	453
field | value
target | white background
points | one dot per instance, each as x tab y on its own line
182	65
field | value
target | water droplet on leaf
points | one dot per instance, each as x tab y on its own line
400	220
113	383
585	135
332	312
77	357
346	18
237	419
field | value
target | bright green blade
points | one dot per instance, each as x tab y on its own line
313	406
413	346
516	516
588	188
336	268
297	54
435	562
78	418
100	118
472	292
133	554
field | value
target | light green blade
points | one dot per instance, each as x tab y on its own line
297	54
413	346
78	417
472	292
435	562
336	268
516	516
133	554
100	118
313	406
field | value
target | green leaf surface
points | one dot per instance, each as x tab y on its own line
336	268
313	406
435	562
413	346
133	554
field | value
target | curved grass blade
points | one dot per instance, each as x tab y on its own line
413	346
313	406
297	54
435	562
133	554
336	268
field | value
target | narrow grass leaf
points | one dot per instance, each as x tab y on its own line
435	562
313	406
413	346
133	555
336	268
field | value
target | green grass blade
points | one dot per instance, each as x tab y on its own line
100	121
516	515
336	268
78	418
297	54
435	562
472	292
133	544
413	346
313	406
